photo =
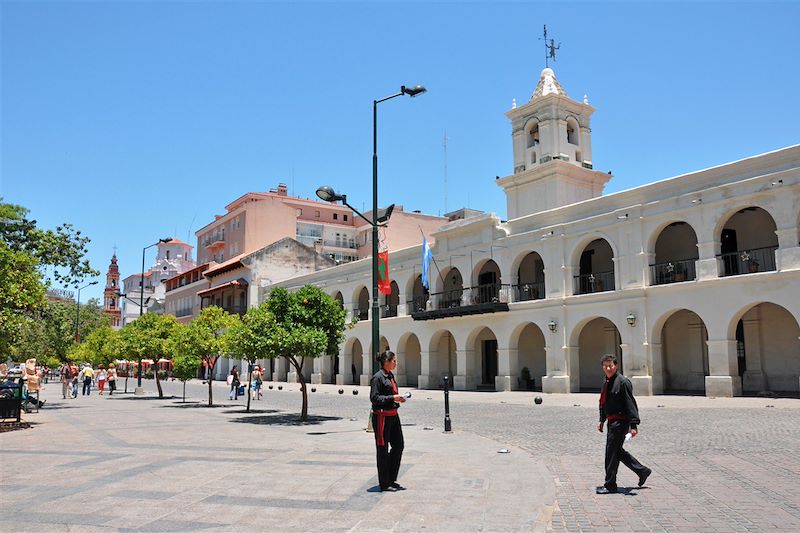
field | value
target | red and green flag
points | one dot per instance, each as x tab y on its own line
384	283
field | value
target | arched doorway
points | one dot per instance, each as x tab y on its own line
684	352
530	277
768	350
675	255
452	289
748	242
595	269
418	299
597	338
531	357
487	289
390	302
483	360
362	306
357	363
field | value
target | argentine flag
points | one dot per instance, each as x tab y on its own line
426	263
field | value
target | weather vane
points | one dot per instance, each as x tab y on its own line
549	49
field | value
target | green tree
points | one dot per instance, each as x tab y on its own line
149	336
101	347
251	339
205	337
185	368
30	258
308	324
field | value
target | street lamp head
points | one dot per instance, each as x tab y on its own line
327	194
94	283
413	91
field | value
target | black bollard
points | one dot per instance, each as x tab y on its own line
447	426
341	391
270	387
313	389
355	392
537	400
280	387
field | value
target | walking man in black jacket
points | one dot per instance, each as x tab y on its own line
618	407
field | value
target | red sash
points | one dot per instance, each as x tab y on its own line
382	414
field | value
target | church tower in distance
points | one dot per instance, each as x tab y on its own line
111	294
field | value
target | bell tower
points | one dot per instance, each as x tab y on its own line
552	144
111	294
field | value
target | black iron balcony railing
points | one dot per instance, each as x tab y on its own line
417	304
529	291
349	244
214	238
447	299
673	271
388	310
361	313
594	282
748	261
486	293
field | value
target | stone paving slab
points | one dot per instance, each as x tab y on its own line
103	464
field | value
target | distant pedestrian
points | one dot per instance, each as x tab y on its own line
618	407
75	373
256	378
101	379
112	379
233	380
88	376
386	423
355	373
66	379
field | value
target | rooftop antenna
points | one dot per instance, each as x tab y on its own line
189	231
549	49
445	171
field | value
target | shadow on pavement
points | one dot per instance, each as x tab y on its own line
285	420
256	411
139	398
189	405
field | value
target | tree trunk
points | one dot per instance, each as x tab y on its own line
210	380
158	381
299	368
126	383
249	384
184	392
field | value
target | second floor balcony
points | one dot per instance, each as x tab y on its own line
748	261
673	272
594	282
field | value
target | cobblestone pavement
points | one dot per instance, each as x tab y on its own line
719	464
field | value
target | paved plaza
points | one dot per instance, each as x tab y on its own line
126	463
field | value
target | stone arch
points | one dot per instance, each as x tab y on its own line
767	339
674	249
593	260
573	131
529	269
529	342
443	356
339	298
390	301
361	303
354	353
486	282
409	358
481	368
747	240
452	288
417	295
683	338
593	337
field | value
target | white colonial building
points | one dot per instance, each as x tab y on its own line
693	281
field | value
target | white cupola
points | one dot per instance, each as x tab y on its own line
552	151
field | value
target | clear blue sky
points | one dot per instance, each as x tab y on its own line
138	120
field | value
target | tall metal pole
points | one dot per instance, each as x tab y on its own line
139	389
375	307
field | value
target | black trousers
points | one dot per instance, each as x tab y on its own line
388	459
615	454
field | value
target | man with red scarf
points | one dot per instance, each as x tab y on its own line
618	407
385	422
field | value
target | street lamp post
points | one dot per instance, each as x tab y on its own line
139	391
328	194
78	312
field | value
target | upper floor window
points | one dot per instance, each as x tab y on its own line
345	218
299	212
335	216
316	214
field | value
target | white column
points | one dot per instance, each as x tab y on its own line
426	380
366	369
280	369
707	264
507	370
400	372
557	378
787	256
723	379
465	378
345	376
654	356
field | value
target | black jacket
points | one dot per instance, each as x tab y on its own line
381	392
620	400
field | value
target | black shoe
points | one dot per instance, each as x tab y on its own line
605	490
397	486
388	489
644	477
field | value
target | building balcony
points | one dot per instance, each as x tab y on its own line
748	261
529	291
673	272
214	241
594	282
